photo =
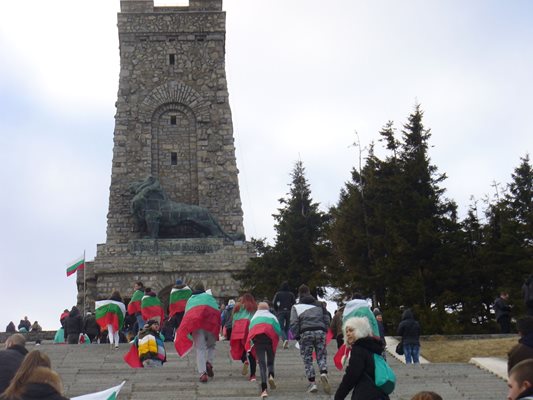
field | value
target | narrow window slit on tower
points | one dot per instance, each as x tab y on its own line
172	120
173	158
172	59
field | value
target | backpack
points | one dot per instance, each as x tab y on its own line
384	377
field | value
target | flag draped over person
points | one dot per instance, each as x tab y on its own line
152	308
110	312
75	265
201	312
239	332
108	394
178	300
134	306
355	308
263	323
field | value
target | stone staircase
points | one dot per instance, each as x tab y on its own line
91	368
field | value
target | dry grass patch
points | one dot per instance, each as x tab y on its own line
440	349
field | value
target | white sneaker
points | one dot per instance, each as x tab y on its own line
285	344
312	388
325	382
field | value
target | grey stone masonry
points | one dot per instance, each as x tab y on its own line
173	117
173	122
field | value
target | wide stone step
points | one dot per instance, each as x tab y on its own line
90	368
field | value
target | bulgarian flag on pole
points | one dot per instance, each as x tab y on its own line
201	312
109	394
110	312
263	322
178	300
152	308
78	263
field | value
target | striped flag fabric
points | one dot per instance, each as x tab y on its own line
152	308
134	306
264	322
178	300
108	394
201	312
354	308
239	332
110	312
75	265
360	308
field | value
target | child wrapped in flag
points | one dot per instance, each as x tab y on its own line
147	349
179	295
110	315
151	306
263	337
242	314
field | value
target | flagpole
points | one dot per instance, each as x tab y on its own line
84	290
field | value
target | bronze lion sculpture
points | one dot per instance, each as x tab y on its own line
159	216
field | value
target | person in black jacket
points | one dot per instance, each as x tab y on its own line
409	330
91	327
283	302
73	326
502	311
11	358
359	374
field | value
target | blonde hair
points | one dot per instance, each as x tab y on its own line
426	396
33	360
360	326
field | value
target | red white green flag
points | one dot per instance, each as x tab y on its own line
152	308
134	306
239	332
178	300
354	308
75	265
109	394
264	322
110	312
201	312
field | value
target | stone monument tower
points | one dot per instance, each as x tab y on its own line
173	131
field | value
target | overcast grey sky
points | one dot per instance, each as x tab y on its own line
303	75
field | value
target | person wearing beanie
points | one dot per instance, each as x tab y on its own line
309	323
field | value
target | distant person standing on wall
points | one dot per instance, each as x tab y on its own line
502	311
527	292
409	330
283	301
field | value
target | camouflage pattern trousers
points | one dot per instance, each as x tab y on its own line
313	341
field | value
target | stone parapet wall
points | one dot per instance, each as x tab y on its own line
158	263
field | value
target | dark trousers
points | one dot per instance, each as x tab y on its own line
284	318
265	357
251	360
505	323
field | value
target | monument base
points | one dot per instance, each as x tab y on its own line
159	262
